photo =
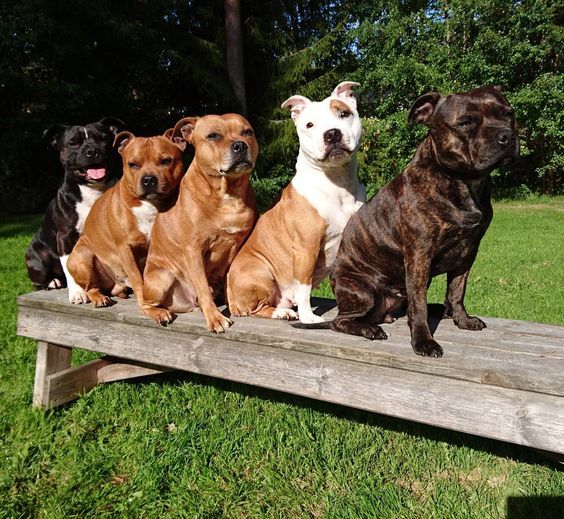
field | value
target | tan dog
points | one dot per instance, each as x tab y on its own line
194	242
294	244
110	255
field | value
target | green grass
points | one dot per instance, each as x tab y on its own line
189	446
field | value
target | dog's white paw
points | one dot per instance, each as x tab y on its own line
77	296
54	283
284	313
309	318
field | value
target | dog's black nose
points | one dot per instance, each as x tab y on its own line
332	136
149	182
239	146
504	136
92	152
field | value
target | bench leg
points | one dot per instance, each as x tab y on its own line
56	383
51	358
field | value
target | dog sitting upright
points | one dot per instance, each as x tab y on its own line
110	255
194	243
426	222
91	166
294	244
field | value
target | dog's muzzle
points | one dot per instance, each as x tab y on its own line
239	160
334	147
149	186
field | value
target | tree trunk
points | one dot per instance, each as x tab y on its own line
234	51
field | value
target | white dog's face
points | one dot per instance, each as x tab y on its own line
329	130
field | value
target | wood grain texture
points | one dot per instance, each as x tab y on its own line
66	385
510	354
51	358
488	388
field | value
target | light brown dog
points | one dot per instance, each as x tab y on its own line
294	244
194	242
110	255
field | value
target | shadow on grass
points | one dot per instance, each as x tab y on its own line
536	507
16	225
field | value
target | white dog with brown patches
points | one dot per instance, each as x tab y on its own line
294	244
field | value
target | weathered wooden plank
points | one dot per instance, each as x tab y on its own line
531	361
67	385
526	418
51	358
119	369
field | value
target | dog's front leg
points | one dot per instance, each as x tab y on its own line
305	258
194	265
417	272
76	294
131	269
454	302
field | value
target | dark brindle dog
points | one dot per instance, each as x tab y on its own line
426	222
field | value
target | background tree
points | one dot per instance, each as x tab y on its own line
150	63
234	51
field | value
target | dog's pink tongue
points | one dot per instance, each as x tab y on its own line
96	174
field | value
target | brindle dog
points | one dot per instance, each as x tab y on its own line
426	222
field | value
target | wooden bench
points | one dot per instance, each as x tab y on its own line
505	382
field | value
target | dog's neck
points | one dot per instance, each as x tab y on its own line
344	176
425	160
203	185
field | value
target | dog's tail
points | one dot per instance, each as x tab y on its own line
326	325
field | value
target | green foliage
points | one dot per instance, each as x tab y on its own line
150	63
386	148
540	106
413	47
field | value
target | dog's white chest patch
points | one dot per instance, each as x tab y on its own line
145	215
335	204
89	196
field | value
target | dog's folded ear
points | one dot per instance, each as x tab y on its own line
183	130
53	134
296	104
121	140
179	141
113	124
423	108
345	91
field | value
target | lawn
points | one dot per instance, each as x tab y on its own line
190	446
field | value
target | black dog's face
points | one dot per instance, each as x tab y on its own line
86	152
472	133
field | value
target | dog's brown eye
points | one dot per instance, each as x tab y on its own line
213	136
465	123
309	125
133	165
74	143
166	162
344	114
247	133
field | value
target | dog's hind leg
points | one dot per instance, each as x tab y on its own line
254	291
360	308
157	284
82	266
43	267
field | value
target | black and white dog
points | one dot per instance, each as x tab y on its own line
91	166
